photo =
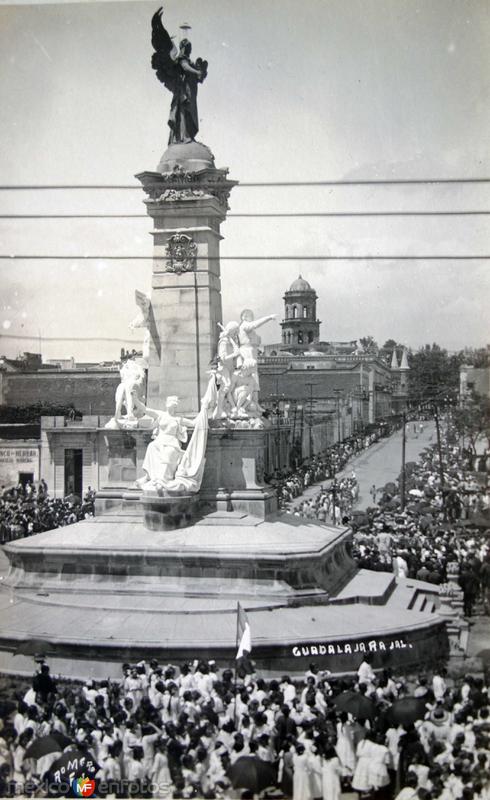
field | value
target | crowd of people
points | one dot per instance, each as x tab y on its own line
441	524
291	483
168	731
193	730
29	509
330	504
445	517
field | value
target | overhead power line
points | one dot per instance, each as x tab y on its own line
445	257
253	184
268	214
69	338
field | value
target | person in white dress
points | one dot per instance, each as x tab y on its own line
160	773
136	773
301	774
365	673
379	760
372	767
315	767
110	768
331	774
345	746
439	685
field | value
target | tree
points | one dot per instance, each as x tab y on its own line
369	344
387	350
472	419
476	357
433	374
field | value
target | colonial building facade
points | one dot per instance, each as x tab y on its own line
340	383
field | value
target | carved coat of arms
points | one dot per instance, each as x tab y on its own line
181	253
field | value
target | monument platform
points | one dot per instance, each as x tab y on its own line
108	590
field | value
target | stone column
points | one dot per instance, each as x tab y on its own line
187	200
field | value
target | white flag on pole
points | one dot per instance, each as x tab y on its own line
244	636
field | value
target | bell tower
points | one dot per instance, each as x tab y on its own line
300	327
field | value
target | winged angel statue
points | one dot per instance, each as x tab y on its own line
180	76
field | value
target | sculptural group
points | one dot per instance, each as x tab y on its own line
128	394
236	369
232	397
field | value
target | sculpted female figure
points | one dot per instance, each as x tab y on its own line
248	339
127	395
246	389
227	353
166	466
164	453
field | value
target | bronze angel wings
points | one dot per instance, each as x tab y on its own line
166	60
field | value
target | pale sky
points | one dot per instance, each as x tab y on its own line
296	91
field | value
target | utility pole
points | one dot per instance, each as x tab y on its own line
439	450
337	397
402	477
441	466
334	498
311	385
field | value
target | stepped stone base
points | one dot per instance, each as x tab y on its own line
108	590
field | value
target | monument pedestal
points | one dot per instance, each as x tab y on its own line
233	477
234	473
169	512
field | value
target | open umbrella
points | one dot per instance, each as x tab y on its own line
250	772
356	704
72	765
406	710
54	743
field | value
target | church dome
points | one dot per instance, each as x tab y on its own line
300	285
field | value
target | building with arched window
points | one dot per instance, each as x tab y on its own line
300	326
343	386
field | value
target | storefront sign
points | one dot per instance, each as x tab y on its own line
15	460
17	455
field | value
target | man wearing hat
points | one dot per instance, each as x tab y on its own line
441	724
